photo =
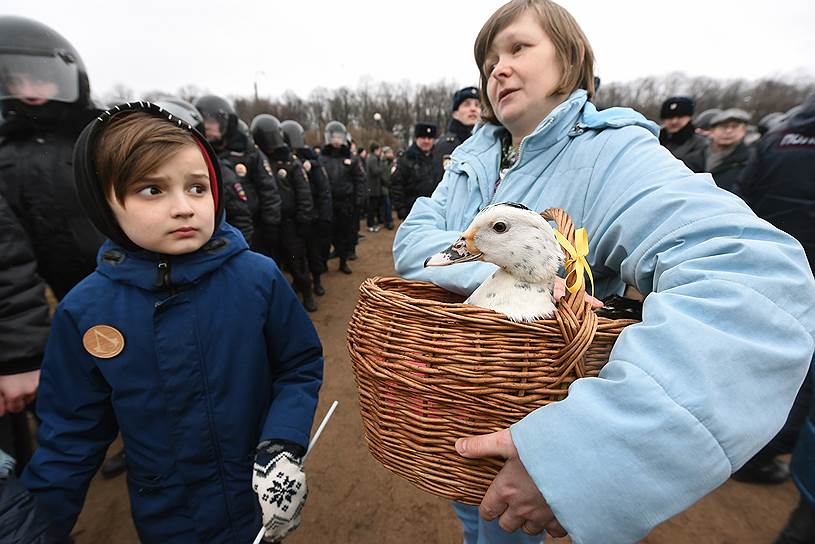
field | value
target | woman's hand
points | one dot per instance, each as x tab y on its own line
512	497
560	291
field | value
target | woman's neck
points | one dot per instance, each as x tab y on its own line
523	129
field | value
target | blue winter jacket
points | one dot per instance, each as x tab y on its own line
223	359
705	380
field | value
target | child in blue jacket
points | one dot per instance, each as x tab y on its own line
190	345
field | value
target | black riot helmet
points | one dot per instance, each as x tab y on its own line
215	108
337	129
244	131
267	134
38	65
181	109
293	134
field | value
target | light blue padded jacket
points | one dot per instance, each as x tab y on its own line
707	378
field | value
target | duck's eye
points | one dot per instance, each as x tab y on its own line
500	227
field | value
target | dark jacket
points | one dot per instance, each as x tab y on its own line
24	318
374	167
803	459
22	521
345	175
388	168
727	173
255	174
199	384
779	180
295	194
415	176
457	133
236	204
36	179
687	146
318	182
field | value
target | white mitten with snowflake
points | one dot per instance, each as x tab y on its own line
280	484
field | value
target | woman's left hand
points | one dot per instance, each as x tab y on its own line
559	292
512	497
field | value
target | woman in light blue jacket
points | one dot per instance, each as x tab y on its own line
709	375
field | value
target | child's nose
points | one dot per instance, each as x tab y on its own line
181	207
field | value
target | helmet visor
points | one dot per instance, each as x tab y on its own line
37	79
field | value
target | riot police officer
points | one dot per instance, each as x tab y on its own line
416	171
345	175
318	240
236	203
45	102
297	206
249	164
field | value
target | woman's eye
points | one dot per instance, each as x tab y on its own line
198	189
500	227
150	190
517	47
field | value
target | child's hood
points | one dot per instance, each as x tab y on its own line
87	183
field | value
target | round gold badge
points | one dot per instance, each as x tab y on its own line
103	341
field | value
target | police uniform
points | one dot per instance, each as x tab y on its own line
457	132
347	183
416	173
297	209
258	182
318	240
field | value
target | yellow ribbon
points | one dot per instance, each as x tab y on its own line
577	254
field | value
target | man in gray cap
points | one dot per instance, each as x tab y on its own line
678	135
702	121
727	154
466	113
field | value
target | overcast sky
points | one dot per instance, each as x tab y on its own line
226	47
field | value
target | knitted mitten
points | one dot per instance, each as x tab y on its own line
280	484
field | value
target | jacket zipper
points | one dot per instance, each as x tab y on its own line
521	154
163	276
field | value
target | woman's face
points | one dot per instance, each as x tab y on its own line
523	73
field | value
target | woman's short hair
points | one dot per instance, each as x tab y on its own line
133	146
572	48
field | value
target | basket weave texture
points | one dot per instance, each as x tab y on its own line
430	370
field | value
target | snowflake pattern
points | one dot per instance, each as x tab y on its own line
283	489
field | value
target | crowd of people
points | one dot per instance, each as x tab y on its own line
77	216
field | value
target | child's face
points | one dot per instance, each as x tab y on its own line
171	210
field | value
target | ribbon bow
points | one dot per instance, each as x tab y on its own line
577	258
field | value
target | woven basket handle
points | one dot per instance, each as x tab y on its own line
577	300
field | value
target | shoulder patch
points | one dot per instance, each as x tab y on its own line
240	191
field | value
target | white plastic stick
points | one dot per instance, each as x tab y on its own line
310	447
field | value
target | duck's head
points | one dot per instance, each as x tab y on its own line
511	236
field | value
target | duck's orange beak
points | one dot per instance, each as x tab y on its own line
463	250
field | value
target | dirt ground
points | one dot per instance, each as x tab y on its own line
354	500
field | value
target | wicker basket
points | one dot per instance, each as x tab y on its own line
430	370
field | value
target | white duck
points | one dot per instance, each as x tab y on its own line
523	245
